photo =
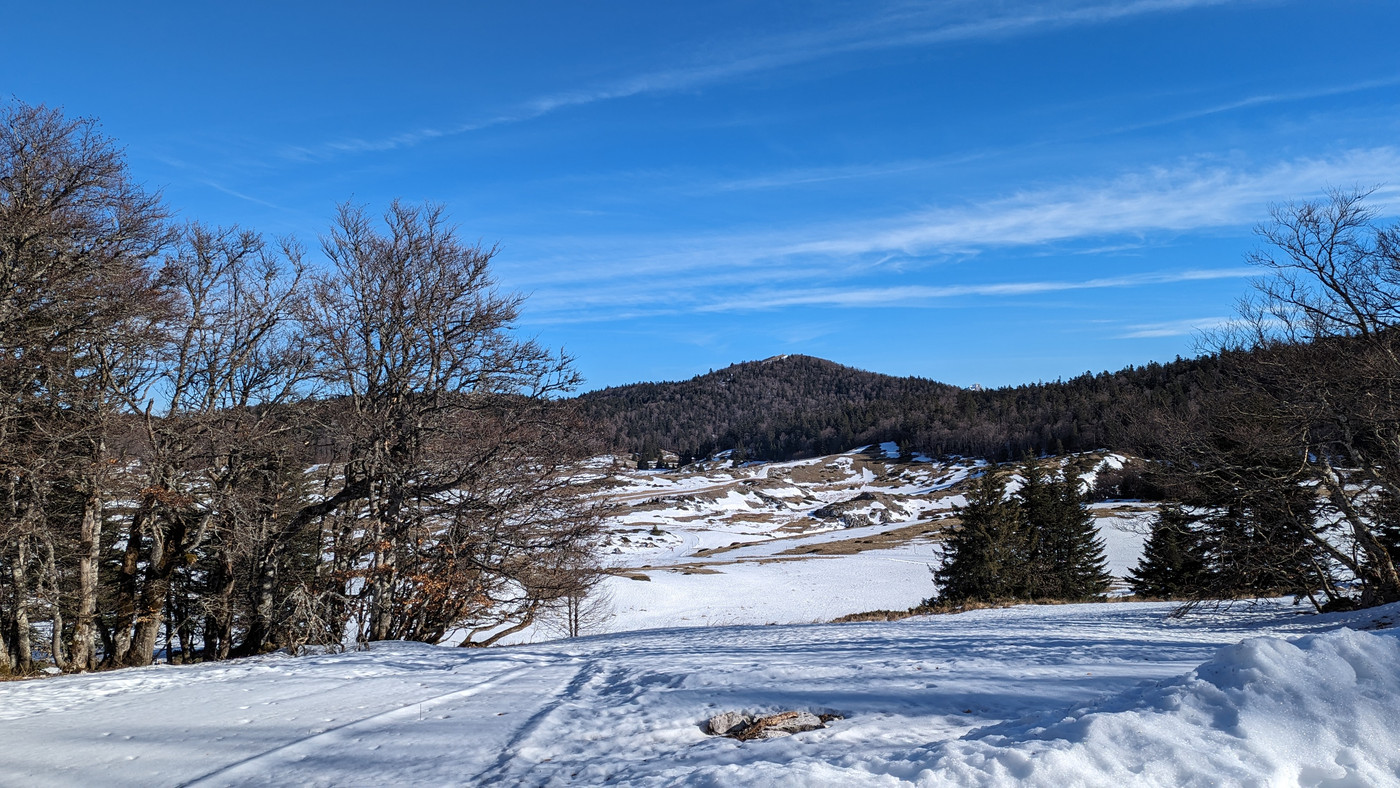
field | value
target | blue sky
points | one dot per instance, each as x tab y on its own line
989	192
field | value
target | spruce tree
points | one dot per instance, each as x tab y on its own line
1085	566
1173	562
1036	500
985	559
1066	556
1255	548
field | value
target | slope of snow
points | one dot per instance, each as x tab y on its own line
804	591
1059	695
720	545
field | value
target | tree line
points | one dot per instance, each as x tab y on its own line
1283	472
799	406
208	445
1289	471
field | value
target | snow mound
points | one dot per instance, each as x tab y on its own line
1321	710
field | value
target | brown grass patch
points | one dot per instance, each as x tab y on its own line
880	541
709	551
817	473
965	607
880	615
1120	511
750	517
804	525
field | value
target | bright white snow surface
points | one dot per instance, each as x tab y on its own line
1109	694
715	545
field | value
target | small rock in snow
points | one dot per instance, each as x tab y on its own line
729	722
745	727
784	724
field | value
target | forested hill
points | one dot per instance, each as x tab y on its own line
796	406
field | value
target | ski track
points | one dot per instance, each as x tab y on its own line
241	771
615	709
569	694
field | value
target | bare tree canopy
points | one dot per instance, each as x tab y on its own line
1298	449
210	451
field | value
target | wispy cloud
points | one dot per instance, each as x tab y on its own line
889	27
929	295
1264	99
1177	328
806	176
1188	196
1182	197
240	195
835	265
900	296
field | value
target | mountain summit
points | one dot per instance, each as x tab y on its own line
791	406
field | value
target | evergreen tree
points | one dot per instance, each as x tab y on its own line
1066	555
1036	500
1255	547
985	558
650	455
1173	562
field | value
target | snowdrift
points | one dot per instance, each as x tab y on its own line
1321	710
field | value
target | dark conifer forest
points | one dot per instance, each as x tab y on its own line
798	406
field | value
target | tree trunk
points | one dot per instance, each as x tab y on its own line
56	645
7	664
260	620
84	647
19	574
218	627
150	616
127	588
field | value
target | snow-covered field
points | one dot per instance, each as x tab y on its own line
1108	694
722	577
796	542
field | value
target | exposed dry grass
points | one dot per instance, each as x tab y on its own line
880	541
1120	511
751	517
804	525
964	607
881	615
818	474
709	551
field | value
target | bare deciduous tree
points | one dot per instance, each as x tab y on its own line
76	239
1309	395
449	492
216	464
159	418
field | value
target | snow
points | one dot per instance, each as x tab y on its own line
1107	694
781	591
723	579
727	545
778	581
1322	709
